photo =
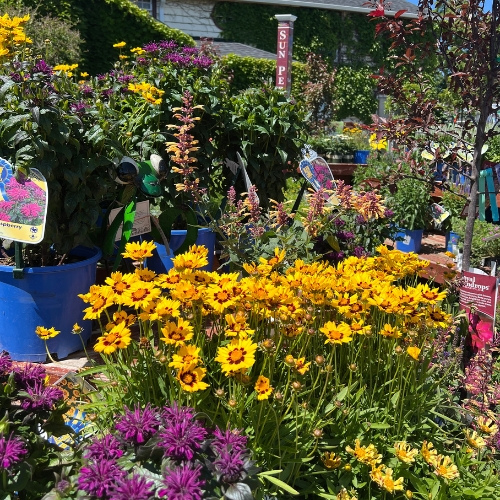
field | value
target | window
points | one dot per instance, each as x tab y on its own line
145	4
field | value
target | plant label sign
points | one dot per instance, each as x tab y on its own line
480	292
23	205
142	220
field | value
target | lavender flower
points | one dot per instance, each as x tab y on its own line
164	44
41	397
5	363
132	488
182	483
182	439
97	478
151	47
106	448
12	451
229	467
139	425
87	91
176	414
29	374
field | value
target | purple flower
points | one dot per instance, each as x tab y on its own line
388	213
151	47
229	467
97	478
182	439
228	440
345	235
16	77
175	414
359	252
29	374
5	363
171	44
41	397
12	450
339	222
125	78
139	425
132	488
360	220
79	107
87	91
182	483
107	93
108	447
42	67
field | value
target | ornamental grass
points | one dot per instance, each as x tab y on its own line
328	369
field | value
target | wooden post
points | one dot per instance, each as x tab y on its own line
284	51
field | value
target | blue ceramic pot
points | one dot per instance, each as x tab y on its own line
412	240
361	157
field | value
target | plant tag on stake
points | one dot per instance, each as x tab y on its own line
23	204
318	173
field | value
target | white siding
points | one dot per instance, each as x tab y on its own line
190	16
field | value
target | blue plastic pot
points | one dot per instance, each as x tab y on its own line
161	262
412	240
451	240
46	296
361	156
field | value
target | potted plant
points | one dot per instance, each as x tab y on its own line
43	126
411	207
453	202
359	142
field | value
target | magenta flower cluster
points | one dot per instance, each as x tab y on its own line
194	461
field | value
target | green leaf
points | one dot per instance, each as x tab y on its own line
128	223
278	482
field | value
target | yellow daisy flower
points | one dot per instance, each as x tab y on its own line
428	452
444	467
414	352
190	378
263	388
331	460
383	477
119	45
187	355
337	334
177	333
239	354
46	333
365	454
474	440
117	338
139	251
390	331
487	425
404	452
140	294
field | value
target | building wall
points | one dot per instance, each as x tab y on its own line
191	16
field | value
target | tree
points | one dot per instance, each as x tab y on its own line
466	41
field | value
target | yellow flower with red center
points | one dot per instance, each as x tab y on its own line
99	298
145	275
414	352
431	295
487	425
383	476
474	440
438	318
337	334
390	331
444	467
117	338
186	292
237	355
428	452
165	308
190	260
236	325
121	317
140	294
360	328
177	333
263	388
301	367
46	333
404	452
187	355
139	251
279	256
365	454
331	460
119	283
190	378
170	280
220	297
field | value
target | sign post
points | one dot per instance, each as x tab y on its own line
284	51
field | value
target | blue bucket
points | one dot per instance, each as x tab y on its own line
451	240
361	156
46	296
206	237
412	240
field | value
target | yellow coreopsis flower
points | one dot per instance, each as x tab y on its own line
186	356
376	143
331	460
119	45
428	452
238	355
301	366
121	317
390	331
165	308
337	334
444	467
46	333
343	494
189	260
414	352
119	337
263	388
474	440
365	454
140	294
383	477
177	333
99	298
139	251
487	425
191	377
404	452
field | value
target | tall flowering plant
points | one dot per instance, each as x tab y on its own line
308	358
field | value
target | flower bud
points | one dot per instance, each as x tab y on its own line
232	403
353	367
290	360
308	317
317	433
278	396
220	393
398	350
163	359
305	405
296	385
319	360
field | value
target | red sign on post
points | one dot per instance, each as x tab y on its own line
284	51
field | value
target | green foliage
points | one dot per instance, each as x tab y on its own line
493	153
103	23
251	72
267	128
325	32
411	204
485	239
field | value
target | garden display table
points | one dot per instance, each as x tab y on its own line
343	171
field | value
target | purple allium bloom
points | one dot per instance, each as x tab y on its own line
42	67
5	362
182	439
41	397
164	44
132	488
107	447
12	450
229	467
139	425
175	414
228	440
97	478
29	374
182	483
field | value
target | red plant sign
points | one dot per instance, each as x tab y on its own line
284	54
